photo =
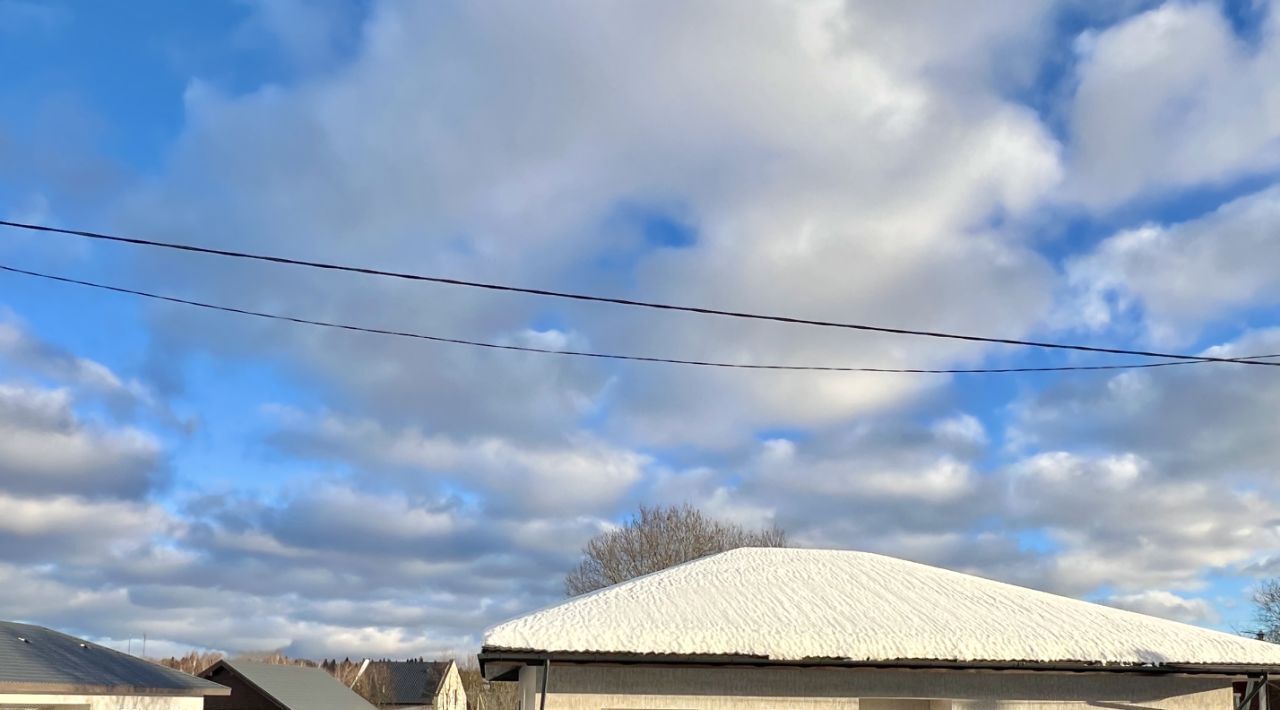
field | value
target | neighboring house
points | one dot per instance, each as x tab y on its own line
780	628
41	669
267	686
434	685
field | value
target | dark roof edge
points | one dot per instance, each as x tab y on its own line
488	655
84	689
449	664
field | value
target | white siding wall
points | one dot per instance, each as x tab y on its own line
452	696
105	702
646	688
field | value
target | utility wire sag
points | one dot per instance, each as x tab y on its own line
588	354
619	301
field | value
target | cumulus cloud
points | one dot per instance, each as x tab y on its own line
1172	98
1149	480
45	447
1180	278
577	475
1133	514
846	161
514	163
21	353
1119	522
66	529
179	618
325	569
896	486
1167	605
1219	417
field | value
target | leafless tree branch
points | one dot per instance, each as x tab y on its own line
657	538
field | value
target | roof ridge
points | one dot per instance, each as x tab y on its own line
626	583
795	603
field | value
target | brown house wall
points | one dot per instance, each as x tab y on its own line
243	696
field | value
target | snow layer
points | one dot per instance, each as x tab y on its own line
787	604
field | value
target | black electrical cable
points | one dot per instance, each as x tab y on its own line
586	354
619	301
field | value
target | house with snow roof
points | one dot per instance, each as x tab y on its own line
780	628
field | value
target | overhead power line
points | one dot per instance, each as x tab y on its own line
587	354
619	301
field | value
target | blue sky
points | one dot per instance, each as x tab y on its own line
1101	173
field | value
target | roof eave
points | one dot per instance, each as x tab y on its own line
519	657
440	683
87	689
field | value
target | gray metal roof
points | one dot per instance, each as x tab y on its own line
298	687
413	682
34	659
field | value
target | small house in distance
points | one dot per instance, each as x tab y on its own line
418	685
757	629
267	686
42	669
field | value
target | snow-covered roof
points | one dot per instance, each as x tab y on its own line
794	605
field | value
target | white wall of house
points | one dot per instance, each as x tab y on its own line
11	701
599	687
451	695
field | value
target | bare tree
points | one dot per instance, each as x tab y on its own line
193	662
483	695
275	658
1266	600
658	538
374	685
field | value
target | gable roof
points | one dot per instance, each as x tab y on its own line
790	605
413	682
295	687
34	659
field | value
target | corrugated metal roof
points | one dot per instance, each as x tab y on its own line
413	682
36	659
299	687
793	605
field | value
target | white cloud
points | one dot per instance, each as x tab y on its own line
46	448
1202	422
1150	480
884	484
961	429
938	481
1120	522
24	355
999	45
797	152
1182	277
65	528
577	475
1167	605
1172	98
840	161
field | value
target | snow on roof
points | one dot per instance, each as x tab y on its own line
793	604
